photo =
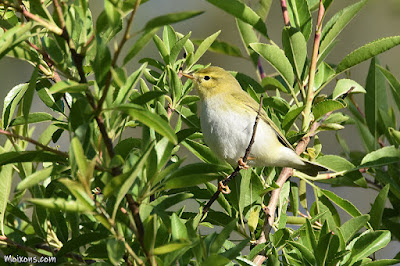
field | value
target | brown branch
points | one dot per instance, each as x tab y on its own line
34	142
117	52
226	180
285	13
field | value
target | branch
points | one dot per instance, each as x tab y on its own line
269	210
225	181
285	13
34	142
117	52
313	68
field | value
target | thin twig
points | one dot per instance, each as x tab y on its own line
238	168
117	52
34	142
285	13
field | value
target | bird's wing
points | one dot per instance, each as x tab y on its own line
252	105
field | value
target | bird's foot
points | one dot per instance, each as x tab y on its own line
243	165
223	188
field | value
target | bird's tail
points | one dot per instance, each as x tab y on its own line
311	168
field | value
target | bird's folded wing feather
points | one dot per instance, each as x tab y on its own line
254	106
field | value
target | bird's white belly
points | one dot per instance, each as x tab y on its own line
228	133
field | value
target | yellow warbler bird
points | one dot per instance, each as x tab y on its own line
227	119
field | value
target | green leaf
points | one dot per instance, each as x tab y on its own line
243	12
375	98
308	254
383	262
338	164
276	57
366	52
113	16
68	86
102	62
352	226
79	155
14	36
176	49
295	48
325	107
34	178
300	16
61	205
194	174
344	85
248	36
126	91
171	247
147	97
234	252
394	84
79	241
178	228
170	19
28	97
11	101
30	156
115	250
222	237
123	183
383	156
377	208
325	74
203	152
291	117
31	119
149	119
140	44
222	47
337	23
342	203
203	47
6	173
369	243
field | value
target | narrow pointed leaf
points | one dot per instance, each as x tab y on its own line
6	173
338	22
170	19
149	119
366	52
34	178
140	44
276	57
377	208
243	12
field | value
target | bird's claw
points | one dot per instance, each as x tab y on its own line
242	164
223	188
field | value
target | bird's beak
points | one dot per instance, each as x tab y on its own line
189	76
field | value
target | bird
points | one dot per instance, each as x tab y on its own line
227	117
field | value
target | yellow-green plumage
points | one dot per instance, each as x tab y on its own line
227	118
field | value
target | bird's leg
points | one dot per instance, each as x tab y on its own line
244	165
223	188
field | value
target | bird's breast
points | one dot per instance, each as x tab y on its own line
226	131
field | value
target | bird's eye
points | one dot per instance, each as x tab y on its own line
206	77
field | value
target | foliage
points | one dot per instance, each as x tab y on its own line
109	198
